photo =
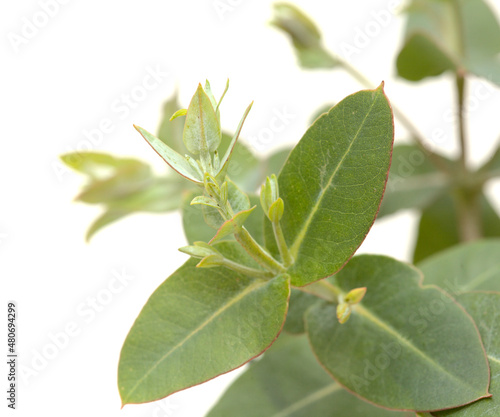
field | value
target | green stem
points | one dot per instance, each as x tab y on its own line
246	270
467	196
323	289
257	252
460	82
282	246
404	120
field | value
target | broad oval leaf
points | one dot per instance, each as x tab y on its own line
332	184
405	346
197	325
485	310
467	267
288	382
438	227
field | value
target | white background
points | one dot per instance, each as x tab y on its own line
68	75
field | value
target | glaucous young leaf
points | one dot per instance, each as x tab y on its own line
99	165
485	310
233	225
124	186
332	184
225	161
195	227
304	35
244	166
414	182
108	217
198	324
468	267
288	382
202	131
438	227
176	161
451	35
239	202
405	346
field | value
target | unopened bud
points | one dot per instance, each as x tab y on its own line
276	210
355	296
269	193
343	312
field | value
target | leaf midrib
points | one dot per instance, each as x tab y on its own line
311	398
231	302
363	311
294	249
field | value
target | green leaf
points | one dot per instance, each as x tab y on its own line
98	165
438	227
202	131
239	202
171	157
198	324
444	35
124	186
244	167
304	35
332	184
226	158
195	227
206	201
405	346
105	219
288	382
485	310
232	226
178	113
467	267
255	223
170	131
414	182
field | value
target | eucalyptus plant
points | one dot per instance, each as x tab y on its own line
272	272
